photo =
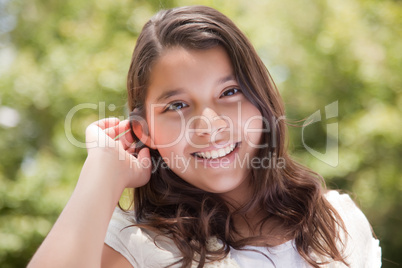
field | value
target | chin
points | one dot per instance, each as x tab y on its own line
220	188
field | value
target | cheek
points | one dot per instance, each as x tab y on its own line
166	134
252	125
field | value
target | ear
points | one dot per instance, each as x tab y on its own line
141	130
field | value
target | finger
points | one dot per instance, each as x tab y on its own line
131	149
119	131
127	130
127	143
96	137
107	122
111	132
125	137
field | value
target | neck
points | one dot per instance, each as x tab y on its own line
247	219
240	196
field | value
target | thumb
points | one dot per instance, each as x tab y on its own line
145	163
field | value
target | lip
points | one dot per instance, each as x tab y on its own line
210	148
220	161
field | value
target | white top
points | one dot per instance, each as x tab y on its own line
284	255
138	247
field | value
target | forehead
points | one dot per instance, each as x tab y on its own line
188	70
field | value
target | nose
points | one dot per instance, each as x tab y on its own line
209	122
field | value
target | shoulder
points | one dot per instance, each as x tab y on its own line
140	247
361	248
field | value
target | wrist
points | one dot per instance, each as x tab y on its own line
96	173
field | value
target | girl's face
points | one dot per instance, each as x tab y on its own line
204	128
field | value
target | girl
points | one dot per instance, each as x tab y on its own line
207	118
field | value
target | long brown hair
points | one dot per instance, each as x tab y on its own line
188	215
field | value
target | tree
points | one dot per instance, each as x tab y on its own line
57	56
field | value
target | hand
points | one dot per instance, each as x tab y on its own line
111	144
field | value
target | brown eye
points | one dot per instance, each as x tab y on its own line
175	106
230	92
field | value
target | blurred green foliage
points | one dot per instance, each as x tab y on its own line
55	55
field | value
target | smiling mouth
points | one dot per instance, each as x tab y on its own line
213	154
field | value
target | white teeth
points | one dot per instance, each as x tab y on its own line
217	153
221	152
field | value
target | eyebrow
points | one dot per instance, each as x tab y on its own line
169	93
225	79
